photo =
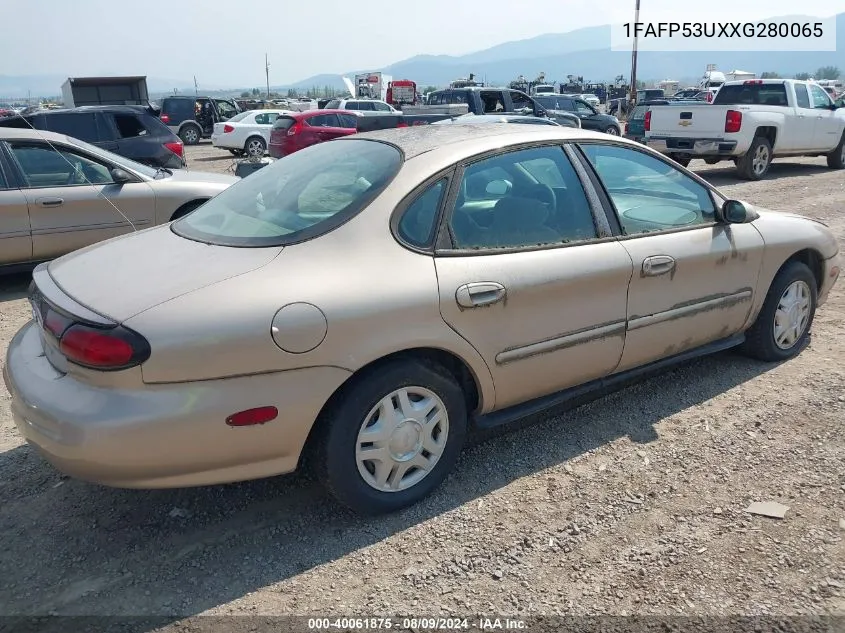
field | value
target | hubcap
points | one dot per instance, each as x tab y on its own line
760	160
402	439
792	315
255	148
190	136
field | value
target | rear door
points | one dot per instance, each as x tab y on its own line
526	278
493	101
73	200
15	233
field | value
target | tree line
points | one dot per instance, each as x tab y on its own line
825	72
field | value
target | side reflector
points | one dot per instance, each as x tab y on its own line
250	417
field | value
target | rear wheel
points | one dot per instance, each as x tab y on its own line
190	134
392	437
255	146
754	164
836	159
784	322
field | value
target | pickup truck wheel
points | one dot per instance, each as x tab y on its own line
784	322
836	159
756	161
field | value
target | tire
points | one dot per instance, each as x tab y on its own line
612	130
337	459
762	339
836	159
683	162
190	134
755	163
255	146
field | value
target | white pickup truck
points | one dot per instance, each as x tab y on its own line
751	122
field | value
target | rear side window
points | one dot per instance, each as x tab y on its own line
752	94
284	123
417	224
179	109
20	122
351	105
308	194
348	121
801	97
129	126
77	125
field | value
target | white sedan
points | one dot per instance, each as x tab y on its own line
246	133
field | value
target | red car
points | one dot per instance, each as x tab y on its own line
294	131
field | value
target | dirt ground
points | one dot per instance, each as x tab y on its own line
632	504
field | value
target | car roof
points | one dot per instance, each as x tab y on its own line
419	139
320	111
128	109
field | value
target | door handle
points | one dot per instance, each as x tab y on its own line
478	294
50	202
658	265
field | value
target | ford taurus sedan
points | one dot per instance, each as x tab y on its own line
359	305
58	194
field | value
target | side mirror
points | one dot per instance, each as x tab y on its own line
736	212
121	176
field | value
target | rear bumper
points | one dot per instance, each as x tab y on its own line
161	436
674	145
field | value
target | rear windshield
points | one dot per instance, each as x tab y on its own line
752	94
299	197
284	123
240	116
639	112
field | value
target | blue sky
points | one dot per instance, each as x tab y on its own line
223	42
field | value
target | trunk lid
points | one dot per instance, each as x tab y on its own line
124	276
218	128
699	121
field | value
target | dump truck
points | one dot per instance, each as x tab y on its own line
85	91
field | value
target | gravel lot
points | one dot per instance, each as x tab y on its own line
632	504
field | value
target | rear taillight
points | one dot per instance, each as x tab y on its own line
647	121
103	348
165	118
733	121
228	128
176	147
296	129
626	127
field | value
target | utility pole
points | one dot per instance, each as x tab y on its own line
633	96
267	73
196	86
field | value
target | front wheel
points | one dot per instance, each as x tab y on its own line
612	130
392	437
784	322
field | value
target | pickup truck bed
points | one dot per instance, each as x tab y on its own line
752	122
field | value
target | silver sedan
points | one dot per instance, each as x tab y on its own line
58	194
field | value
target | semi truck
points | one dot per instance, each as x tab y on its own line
402	92
85	91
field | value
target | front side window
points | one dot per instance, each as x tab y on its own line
43	166
521	199
299	197
648	193
493	101
382	107
226	109
420	218
582	107
129	126
819	97
521	101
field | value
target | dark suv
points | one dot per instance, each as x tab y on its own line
193	118
130	131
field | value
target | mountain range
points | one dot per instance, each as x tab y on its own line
583	52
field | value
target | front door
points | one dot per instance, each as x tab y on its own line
15	234
694	278
525	280
828	128
588	115
73	200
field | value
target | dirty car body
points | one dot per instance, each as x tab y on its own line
359	305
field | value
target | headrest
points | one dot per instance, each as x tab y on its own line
520	213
